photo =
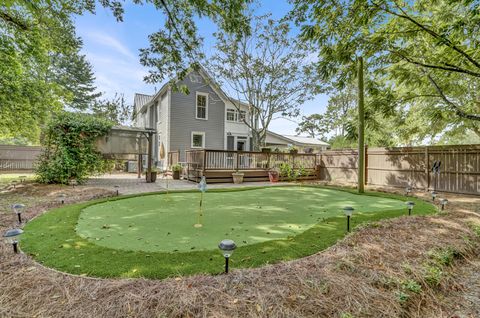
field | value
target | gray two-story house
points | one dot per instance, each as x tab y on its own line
204	118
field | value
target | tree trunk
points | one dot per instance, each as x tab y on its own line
361	129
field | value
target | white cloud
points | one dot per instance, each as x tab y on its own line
109	41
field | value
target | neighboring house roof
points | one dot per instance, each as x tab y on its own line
141	99
297	140
307	140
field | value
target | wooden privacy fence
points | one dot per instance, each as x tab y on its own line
14	158
218	165
402	166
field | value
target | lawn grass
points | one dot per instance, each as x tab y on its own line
164	223
52	238
7	178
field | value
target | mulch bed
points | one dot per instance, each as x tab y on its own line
362	275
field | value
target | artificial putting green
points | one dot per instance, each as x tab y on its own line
165	223
273	224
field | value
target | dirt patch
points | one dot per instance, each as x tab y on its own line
380	270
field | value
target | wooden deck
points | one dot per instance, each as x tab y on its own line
218	165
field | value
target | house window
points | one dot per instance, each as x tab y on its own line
231	114
198	139
235	115
242	116
202	106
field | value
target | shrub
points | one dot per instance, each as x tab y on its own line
287	171
69	148
177	167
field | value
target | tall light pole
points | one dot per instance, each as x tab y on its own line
361	128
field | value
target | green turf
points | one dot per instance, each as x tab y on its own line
52	238
160	223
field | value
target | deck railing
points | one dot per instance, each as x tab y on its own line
207	159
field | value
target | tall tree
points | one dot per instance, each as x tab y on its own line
40	64
267	69
74	74
315	125
116	110
424	52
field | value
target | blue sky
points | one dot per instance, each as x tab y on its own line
112	48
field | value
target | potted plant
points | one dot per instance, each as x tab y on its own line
273	175
237	177
293	150
176	169
266	149
153	175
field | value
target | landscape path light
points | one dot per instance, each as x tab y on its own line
18	208
227	247
61	198
14	183
410	205
408	190
23	179
348	210
12	237
116	188
443	202
434	195
73	183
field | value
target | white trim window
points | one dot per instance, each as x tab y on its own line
201	106
198	139
236	116
231	114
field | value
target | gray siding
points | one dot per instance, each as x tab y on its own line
183	121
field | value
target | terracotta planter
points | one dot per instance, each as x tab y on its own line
237	177
273	176
176	175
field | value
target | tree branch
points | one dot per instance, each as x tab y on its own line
9	19
434	34
455	107
448	67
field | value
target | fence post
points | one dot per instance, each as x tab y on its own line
238	157
366	164
427	168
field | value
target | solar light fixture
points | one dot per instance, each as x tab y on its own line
18	208
14	183
73	183
227	247
443	202
116	188
61	198
12	237
434	195
408	190
348	210
23	179
410	205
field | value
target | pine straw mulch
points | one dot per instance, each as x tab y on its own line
362	276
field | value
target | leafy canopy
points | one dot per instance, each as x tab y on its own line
423	56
